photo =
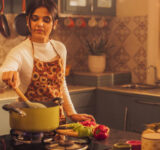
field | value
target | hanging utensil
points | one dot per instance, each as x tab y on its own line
80	22
69	22
21	22
4	28
30	104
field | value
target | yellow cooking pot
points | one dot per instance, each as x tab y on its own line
33	119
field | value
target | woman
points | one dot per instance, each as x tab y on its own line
37	64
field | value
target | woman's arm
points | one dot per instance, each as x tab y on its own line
10	68
68	105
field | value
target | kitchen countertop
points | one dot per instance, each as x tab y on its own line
119	136
146	92
10	94
115	136
77	88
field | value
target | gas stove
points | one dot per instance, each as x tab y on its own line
21	137
21	140
6	142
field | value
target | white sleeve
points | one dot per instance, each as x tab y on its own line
67	105
12	63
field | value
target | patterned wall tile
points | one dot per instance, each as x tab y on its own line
127	36
121	57
140	56
132	36
122	32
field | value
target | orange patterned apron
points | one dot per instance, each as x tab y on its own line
47	80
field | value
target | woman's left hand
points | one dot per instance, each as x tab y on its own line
81	117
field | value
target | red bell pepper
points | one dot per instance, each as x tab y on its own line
101	132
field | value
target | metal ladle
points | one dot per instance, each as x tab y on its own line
29	103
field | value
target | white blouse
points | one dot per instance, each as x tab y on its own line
20	59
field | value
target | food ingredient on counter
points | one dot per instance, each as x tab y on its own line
101	132
83	131
88	123
90	128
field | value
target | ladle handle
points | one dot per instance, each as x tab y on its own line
18	91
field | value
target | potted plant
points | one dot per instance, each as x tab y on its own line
97	56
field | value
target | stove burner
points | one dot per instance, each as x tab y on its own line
22	137
71	146
69	143
66	143
46	140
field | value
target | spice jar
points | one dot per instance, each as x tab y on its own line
136	144
122	146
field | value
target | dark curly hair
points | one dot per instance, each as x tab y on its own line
49	4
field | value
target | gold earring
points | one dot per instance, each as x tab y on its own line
54	27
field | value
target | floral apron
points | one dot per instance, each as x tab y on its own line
46	81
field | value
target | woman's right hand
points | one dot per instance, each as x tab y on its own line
11	78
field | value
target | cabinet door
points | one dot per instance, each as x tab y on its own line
84	102
75	7
104	7
87	7
142	111
110	108
15	6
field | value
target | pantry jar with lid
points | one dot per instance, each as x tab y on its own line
150	141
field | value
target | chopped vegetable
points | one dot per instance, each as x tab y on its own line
82	130
88	123
90	128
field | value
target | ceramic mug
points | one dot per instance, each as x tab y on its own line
80	22
69	22
92	22
150	141
102	23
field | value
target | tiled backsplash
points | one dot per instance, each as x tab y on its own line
127	35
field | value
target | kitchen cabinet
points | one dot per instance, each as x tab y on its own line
15	6
4	117
126	111
110	108
142	110
87	7
84	101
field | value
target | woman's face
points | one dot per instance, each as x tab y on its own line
41	24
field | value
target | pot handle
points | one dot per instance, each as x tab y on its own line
9	107
58	100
